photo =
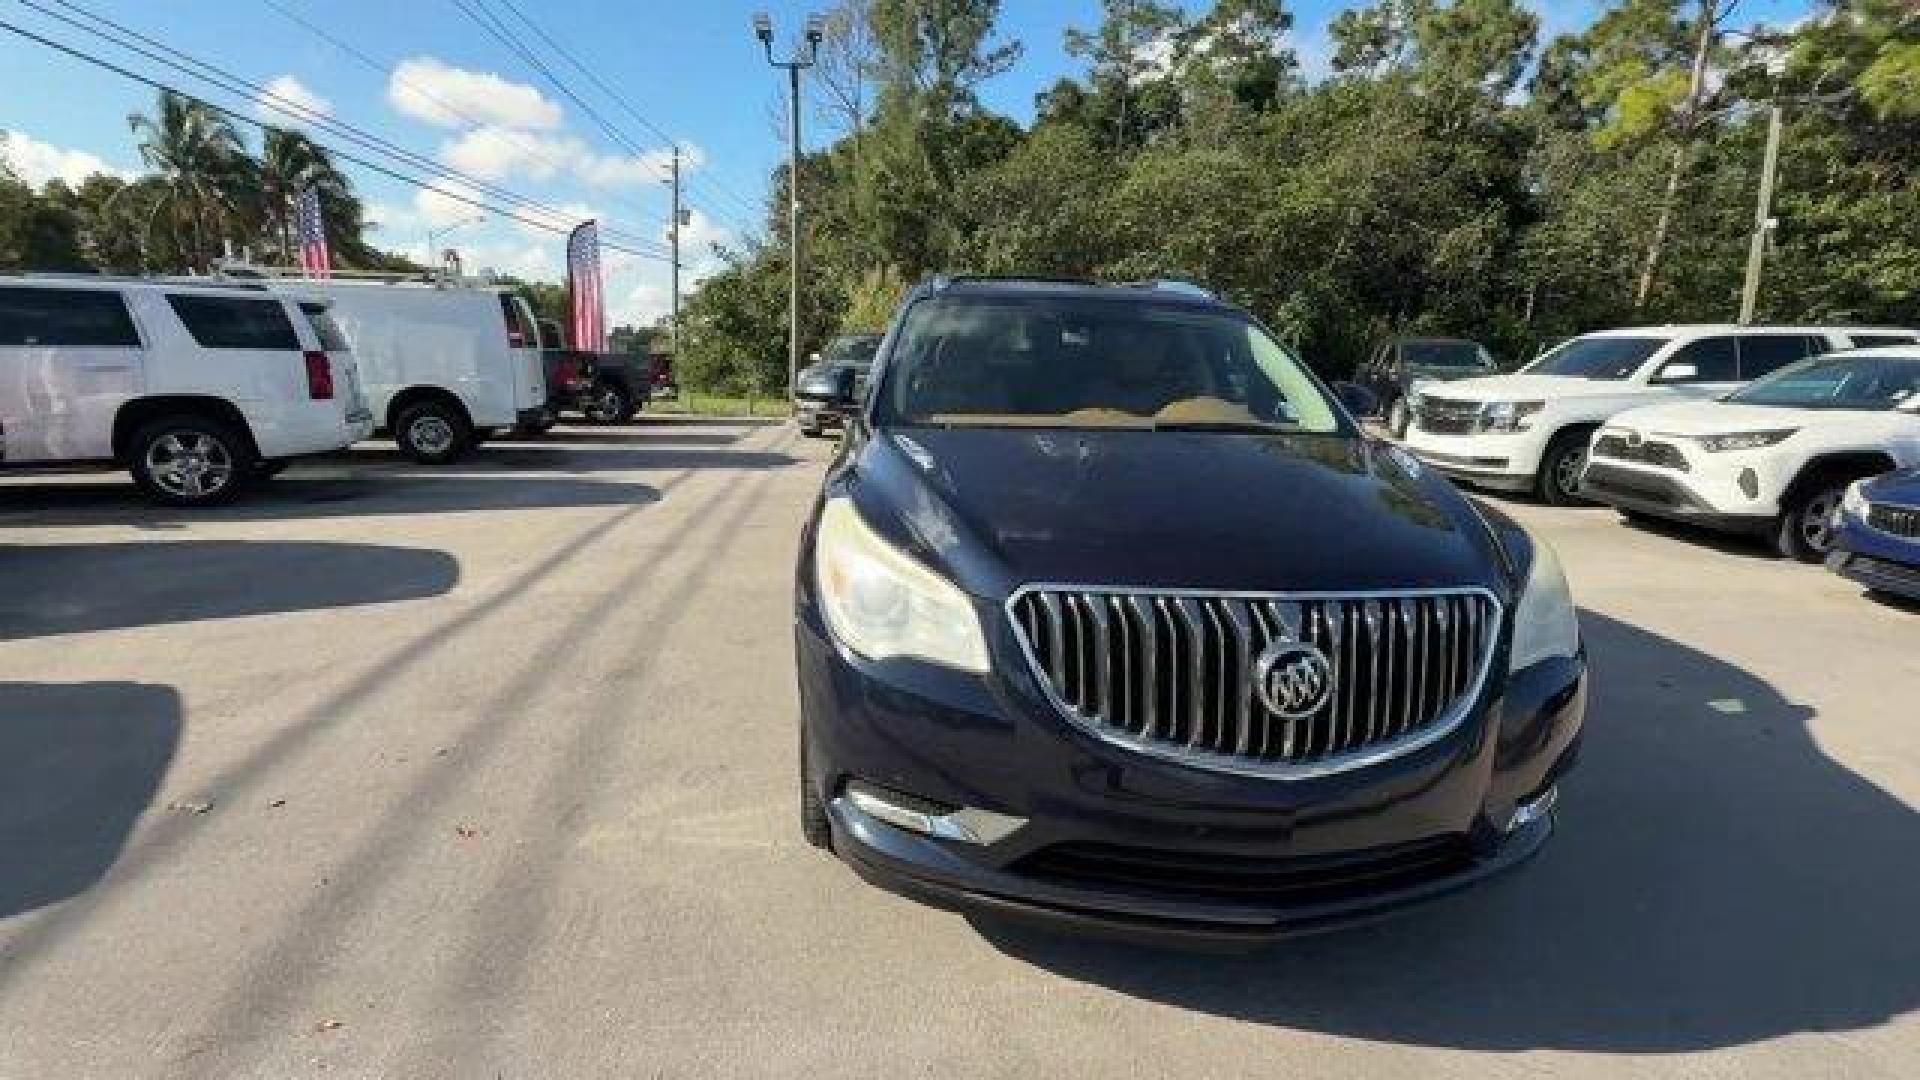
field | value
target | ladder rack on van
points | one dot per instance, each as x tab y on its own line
436	277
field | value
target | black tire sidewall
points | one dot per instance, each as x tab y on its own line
462	432
620	414
815	828
1787	539
1549	486
239	452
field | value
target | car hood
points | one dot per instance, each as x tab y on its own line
997	508
1899	488
1523	387
1719	417
1420	373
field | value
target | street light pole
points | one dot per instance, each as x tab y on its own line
763	29
1762	218
673	327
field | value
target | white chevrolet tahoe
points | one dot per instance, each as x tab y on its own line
1772	459
1528	431
195	390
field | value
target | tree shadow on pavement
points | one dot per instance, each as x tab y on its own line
79	763
74	588
1716	880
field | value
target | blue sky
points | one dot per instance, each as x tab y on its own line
690	69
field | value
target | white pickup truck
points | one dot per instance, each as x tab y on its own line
1528	431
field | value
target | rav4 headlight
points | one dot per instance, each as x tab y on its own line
1512	415
1743	440
880	603
1544	624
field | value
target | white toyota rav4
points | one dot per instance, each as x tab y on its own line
193	389
1774	458
1528	431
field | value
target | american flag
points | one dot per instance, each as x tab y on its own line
583	284
315	260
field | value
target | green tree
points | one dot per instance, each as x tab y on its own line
202	167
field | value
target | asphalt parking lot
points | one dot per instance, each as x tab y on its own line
489	772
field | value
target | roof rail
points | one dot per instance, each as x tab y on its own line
1175	285
941	281
170	280
430	276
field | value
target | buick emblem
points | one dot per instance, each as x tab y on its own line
1293	679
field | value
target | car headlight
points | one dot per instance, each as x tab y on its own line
1544	625
1854	502
881	603
1511	415
1743	440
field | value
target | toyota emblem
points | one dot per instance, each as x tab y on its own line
1293	679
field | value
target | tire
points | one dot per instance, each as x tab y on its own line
815	829
190	460
1560	468
1805	528
607	403
433	432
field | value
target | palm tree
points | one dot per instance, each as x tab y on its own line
201	165
290	163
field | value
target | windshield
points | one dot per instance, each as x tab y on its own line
1609	358
853	351
1441	353
1860	384
1095	363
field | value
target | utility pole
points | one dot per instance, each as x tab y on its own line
673	327
763	29
1762	218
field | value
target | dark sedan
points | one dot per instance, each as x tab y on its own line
1108	614
1876	534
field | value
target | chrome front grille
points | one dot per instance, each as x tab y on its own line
1443	416
1898	520
1173	675
1647	451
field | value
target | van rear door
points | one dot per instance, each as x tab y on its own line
523	340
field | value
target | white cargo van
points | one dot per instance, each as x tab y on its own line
445	365
193	389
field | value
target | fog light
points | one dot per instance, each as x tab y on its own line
1533	810
1749	484
968	824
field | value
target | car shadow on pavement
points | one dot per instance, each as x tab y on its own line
79	762
75	588
631	435
333	487
1716	880
557	457
1746	546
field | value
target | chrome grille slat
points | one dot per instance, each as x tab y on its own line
1175	674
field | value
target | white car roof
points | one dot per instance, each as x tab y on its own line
1896	351
1674	330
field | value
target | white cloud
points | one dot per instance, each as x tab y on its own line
446	203
287	101
36	162
493	152
429	89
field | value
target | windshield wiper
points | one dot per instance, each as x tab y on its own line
1254	427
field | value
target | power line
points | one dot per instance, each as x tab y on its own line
233	114
618	98
488	20
239	86
391	69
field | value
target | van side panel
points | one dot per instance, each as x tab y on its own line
446	338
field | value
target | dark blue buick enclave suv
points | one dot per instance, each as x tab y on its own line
1109	613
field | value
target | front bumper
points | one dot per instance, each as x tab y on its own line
1505	461
1146	848
1878	560
1659	495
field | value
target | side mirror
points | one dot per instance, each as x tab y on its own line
1681	372
833	387
1359	400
